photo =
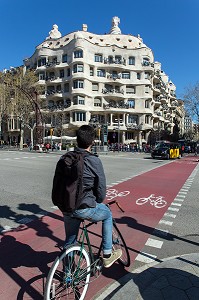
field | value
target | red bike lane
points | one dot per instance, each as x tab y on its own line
27	252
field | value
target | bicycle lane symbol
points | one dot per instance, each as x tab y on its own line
113	193
156	201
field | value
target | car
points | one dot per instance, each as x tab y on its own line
166	150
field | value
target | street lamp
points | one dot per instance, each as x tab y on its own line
118	133
94	122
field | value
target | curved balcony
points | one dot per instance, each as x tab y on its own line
50	65
55	93
119	93
121	61
120	105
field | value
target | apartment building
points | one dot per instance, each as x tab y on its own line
108	80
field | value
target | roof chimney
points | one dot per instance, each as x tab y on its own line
84	27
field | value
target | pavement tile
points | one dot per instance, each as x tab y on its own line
193	293
173	293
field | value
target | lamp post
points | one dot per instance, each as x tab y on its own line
94	122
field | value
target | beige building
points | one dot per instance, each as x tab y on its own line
110	79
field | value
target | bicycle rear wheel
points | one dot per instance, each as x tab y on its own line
69	275
119	243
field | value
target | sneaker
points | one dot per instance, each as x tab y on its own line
115	255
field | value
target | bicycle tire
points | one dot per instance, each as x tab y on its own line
69	275
119	243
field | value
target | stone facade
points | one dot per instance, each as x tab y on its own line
110	79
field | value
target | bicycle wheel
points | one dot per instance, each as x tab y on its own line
119	243
69	275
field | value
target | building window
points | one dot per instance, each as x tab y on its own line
97	102
78	84
133	119
101	73
138	76
147	104
91	71
67	102
78	100
79	116
147	119
64	58
42	62
42	76
129	135
61	73
110	59
146	61
130	89
68	72
95	87
147	88
147	75
78	54
98	57
66	87
78	68
131	60
118	59
58	89
126	75
131	103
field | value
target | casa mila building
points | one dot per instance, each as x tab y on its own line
110	81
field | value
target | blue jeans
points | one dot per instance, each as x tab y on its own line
99	213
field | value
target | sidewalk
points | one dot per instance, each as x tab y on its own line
176	278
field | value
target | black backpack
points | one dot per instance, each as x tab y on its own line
67	188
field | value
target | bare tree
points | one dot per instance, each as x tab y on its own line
19	94
191	100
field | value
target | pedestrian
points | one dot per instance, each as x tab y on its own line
94	192
47	147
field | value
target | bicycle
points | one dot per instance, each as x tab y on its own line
157	202
70	274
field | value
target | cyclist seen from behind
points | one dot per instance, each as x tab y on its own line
94	192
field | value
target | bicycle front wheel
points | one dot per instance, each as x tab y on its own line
119	243
69	275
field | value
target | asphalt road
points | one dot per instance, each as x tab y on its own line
151	233
25	193
26	181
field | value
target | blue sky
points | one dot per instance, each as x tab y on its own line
169	27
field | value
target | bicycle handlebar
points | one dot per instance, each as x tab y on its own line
116	202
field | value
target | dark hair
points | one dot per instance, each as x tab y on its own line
85	136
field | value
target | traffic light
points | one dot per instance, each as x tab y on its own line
51	131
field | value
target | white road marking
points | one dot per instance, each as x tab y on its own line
169	223
169	215
176	204
181	200
154	243
181	196
145	257
173	209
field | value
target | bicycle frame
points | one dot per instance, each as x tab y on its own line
85	240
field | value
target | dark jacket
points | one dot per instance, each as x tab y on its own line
94	180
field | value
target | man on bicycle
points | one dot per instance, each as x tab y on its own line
94	192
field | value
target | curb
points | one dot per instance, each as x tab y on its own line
114	287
